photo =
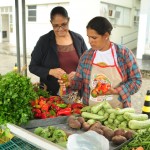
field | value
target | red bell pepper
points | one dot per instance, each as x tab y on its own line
55	108
77	111
76	105
45	115
42	102
45	108
37	115
64	112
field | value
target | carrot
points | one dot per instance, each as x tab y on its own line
140	148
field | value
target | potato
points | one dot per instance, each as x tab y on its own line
129	134
81	120
103	127
118	139
97	124
108	133
98	130
86	126
72	117
119	132
74	123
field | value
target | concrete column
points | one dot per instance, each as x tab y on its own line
144	29
81	13
0	28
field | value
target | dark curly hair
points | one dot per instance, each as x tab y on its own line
59	10
100	24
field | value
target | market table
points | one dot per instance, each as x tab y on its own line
25	132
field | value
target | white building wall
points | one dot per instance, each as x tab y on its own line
144	30
80	13
42	25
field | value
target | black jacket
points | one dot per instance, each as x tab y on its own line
44	57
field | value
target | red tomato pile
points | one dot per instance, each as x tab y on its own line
53	106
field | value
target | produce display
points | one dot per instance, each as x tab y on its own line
140	142
125	118
53	106
16	91
101	88
52	134
117	136
21	101
5	137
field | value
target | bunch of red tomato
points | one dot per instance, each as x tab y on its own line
53	106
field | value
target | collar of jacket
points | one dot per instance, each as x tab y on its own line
75	38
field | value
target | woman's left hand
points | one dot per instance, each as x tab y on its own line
71	75
112	91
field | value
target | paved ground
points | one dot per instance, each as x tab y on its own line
7	63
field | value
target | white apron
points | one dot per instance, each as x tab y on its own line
109	74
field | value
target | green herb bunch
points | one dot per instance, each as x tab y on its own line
16	92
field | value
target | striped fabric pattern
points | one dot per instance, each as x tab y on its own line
131	74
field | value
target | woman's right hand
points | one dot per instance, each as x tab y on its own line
57	73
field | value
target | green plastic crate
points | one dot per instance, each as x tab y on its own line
17	144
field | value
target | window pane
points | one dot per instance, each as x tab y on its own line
31	18
32	13
31	7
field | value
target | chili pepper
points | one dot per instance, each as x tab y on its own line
62	105
37	111
43	98
37	115
77	111
104	88
76	105
45	115
42	102
64	77
45	108
64	112
34	102
54	107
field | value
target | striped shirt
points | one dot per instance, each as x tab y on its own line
131	74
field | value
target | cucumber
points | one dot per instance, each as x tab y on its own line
86	109
122	111
133	116
91	121
136	124
91	116
111	110
96	108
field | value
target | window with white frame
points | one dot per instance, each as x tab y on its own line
32	13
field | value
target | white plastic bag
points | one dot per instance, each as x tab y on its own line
89	140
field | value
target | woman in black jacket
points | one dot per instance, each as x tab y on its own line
57	52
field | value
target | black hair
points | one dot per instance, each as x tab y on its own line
59	11
100	24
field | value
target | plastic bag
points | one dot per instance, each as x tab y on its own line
89	140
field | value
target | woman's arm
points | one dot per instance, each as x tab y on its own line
132	78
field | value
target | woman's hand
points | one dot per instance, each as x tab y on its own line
57	73
112	91
71	75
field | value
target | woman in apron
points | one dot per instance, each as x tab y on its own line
108	71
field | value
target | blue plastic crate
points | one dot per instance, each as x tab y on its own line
17	144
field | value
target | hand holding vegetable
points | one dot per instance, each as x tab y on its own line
57	72
100	89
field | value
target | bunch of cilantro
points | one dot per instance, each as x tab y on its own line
16	92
